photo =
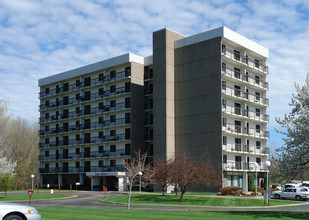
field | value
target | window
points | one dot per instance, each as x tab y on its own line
247	77
223	67
128	71
112	132
77	124
57	89
47	128
224	140
236	73
127	133
258	128
224	103
258	144
65	140
87	137
77	137
101	77
127	86
128	149
237	109
257	63
46	140
112	148
236	90
77	83
101	149
101	105
46	153
236	55
112	103
112	118
238	144
47	166
87	95
47	102
87	109
112	163
101	91
258	160
127	118
66	87
223	48
66	100
224	122
223	85
101	134
47	90
246	59
87	123
65	113
238	126
77	164
257	112
127	102
257	96
46	115
257	80
65	126
101	164
77	150
112	89
112	74
224	158
87	81
101	120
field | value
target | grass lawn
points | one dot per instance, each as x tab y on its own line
24	196
69	213
194	200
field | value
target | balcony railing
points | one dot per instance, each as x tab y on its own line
56	170
245	113
235	129
77	100
85	155
244	60
148	137
245	95
77	86
244	78
92	111
81	141
242	166
247	149
93	125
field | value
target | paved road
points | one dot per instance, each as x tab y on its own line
90	200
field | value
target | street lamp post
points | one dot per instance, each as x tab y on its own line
32	177
140	181
267	163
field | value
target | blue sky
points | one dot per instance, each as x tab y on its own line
41	38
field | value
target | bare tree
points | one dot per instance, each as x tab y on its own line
188	172
134	167
162	172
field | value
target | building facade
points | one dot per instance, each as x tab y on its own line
204	95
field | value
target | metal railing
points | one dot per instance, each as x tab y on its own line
236	129
245	60
244	78
245	95
243	166
105	168
245	113
77	86
248	149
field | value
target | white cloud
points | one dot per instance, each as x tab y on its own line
41	38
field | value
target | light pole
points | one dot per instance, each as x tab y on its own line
267	163
140	181
256	181
32	177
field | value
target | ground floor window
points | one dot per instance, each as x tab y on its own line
234	180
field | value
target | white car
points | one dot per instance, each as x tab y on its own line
12	211
292	193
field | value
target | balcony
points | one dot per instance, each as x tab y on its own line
246	149
93	125
237	93
93	82
244	78
82	141
257	116
82	99
59	170
242	166
84	155
92	111
239	130
229	53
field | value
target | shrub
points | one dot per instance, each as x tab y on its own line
250	182
229	190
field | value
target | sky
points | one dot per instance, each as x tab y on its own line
40	38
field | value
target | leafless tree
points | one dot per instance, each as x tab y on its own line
137	165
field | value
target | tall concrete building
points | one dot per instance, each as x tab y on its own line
203	95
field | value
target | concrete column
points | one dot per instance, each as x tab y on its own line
41	179
81	179
245	182
60	179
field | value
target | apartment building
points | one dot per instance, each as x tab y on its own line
203	95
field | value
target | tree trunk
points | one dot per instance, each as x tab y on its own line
176	190
181	195
163	192
130	189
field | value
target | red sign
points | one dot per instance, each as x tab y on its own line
30	192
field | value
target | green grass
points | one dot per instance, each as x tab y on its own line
194	200
24	196
68	213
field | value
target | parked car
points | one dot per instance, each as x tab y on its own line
12	211
292	193
292	184
305	185
276	186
